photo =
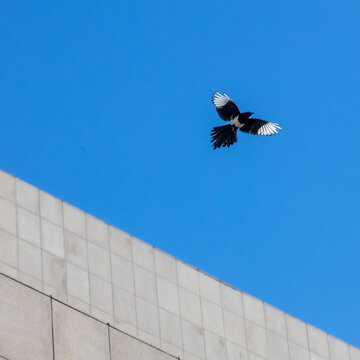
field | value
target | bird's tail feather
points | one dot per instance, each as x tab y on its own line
223	136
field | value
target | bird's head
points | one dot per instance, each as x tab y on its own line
248	114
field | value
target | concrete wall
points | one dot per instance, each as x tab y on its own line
35	326
102	271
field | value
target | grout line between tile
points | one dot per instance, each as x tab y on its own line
133	276
111	275
136	315
202	314
17	242
157	298
52	327
328	343
180	312
3	357
144	342
65	252
223	321
41	239
266	332
286	333
108	331
87	263
86	314
243	312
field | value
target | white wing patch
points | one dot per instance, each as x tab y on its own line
269	129
220	100
237	123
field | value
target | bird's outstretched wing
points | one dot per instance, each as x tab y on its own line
260	127
225	107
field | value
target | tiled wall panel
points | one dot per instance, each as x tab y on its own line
100	270
25	322
35	326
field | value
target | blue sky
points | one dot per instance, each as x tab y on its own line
106	105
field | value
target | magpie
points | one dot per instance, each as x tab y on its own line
226	135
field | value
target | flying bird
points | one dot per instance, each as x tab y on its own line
226	135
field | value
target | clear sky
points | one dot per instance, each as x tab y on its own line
106	105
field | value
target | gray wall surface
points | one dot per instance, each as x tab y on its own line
35	326
114	277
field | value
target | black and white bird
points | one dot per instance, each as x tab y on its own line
226	135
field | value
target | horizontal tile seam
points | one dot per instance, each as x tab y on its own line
96	244
26	209
187	351
160	307
102	311
70	262
10	266
164	342
144	342
121	257
17	259
61	226
22	283
181	318
99	277
124	322
51	253
297	344
38	245
9	233
55	288
64	228
85	213
107	224
3	357
48	251
8	200
84	313
157	275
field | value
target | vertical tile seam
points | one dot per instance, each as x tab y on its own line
41	241
63	244
133	276
308	339
157	296
111	277
52	327
337	339
87	261
348	350
109	339
16	220
179	303
266	332
243	311
202	314
223	320
65	252
350	357
17	231
328	345
286	333
288	339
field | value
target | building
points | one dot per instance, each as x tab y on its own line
73	287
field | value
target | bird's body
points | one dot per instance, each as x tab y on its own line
240	120
226	135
